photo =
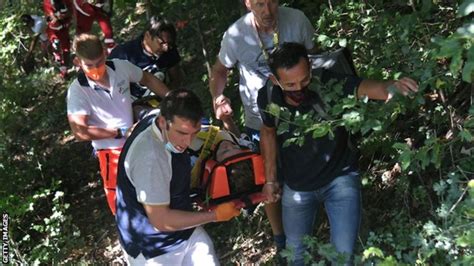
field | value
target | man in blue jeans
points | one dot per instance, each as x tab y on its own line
322	170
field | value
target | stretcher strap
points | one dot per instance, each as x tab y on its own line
205	152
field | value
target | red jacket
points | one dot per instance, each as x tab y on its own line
58	13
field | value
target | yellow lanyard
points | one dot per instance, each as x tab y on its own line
275	39
205	152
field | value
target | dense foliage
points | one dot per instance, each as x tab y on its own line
417	153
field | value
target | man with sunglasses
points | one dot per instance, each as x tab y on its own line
154	51
322	170
99	105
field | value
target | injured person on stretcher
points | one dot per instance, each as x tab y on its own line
225	169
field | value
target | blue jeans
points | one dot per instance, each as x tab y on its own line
341	200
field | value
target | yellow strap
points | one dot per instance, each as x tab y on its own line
154	103
205	152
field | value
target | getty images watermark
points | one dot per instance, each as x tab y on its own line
5	247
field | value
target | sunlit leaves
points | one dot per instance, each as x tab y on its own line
274	109
468	70
466	135
466	8
466	240
283	128
373	252
319	130
371	124
459	49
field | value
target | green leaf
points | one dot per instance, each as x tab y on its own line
320	130
401	147
466	8
289	142
469	123
423	157
456	63
274	109
349	102
283	128
450	48
405	159
468	69
467	72
439	83
390	261
373	252
371	124
466	31
351	118
465	135
430	228
436	155
343	42
466	240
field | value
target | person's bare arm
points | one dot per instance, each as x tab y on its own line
175	73
378	90
218	79
154	84
165	219
32	45
268	148
230	125
217	82
83	132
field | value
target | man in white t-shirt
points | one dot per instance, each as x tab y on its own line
246	44
155	218
37	25
99	105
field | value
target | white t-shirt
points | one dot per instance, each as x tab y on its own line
148	167
240	46
39	27
106	108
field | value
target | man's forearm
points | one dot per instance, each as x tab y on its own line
374	89
89	133
230	125
32	45
218	79
175	74
174	220
268	150
154	84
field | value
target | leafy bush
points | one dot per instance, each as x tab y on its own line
416	153
428	215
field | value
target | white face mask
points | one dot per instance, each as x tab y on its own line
169	146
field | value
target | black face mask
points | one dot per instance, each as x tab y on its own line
298	96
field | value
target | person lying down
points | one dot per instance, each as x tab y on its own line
225	167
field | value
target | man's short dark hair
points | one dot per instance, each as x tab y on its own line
26	19
158	25
183	103
287	56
